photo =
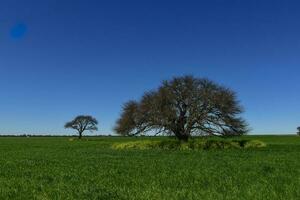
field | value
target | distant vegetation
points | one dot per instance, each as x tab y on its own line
83	123
184	107
298	133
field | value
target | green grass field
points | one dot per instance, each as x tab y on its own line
56	168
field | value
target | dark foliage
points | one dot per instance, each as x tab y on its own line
298	133
184	106
82	123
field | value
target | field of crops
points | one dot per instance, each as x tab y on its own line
61	168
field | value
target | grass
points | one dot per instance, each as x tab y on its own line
60	168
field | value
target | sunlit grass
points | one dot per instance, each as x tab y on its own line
60	168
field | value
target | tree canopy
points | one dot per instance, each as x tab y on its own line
82	123
184	106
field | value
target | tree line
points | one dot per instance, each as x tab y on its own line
183	107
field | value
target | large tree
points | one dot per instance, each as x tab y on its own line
83	123
184	106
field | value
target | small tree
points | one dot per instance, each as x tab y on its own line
83	123
184	106
298	133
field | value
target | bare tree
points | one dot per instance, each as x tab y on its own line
184	106
83	123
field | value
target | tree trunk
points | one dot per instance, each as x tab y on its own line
80	135
180	131
182	136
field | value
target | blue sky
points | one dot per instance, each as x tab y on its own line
63	58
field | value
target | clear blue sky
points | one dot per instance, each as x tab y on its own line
63	58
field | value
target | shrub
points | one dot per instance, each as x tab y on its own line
142	145
197	144
217	144
237	144
194	144
254	144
